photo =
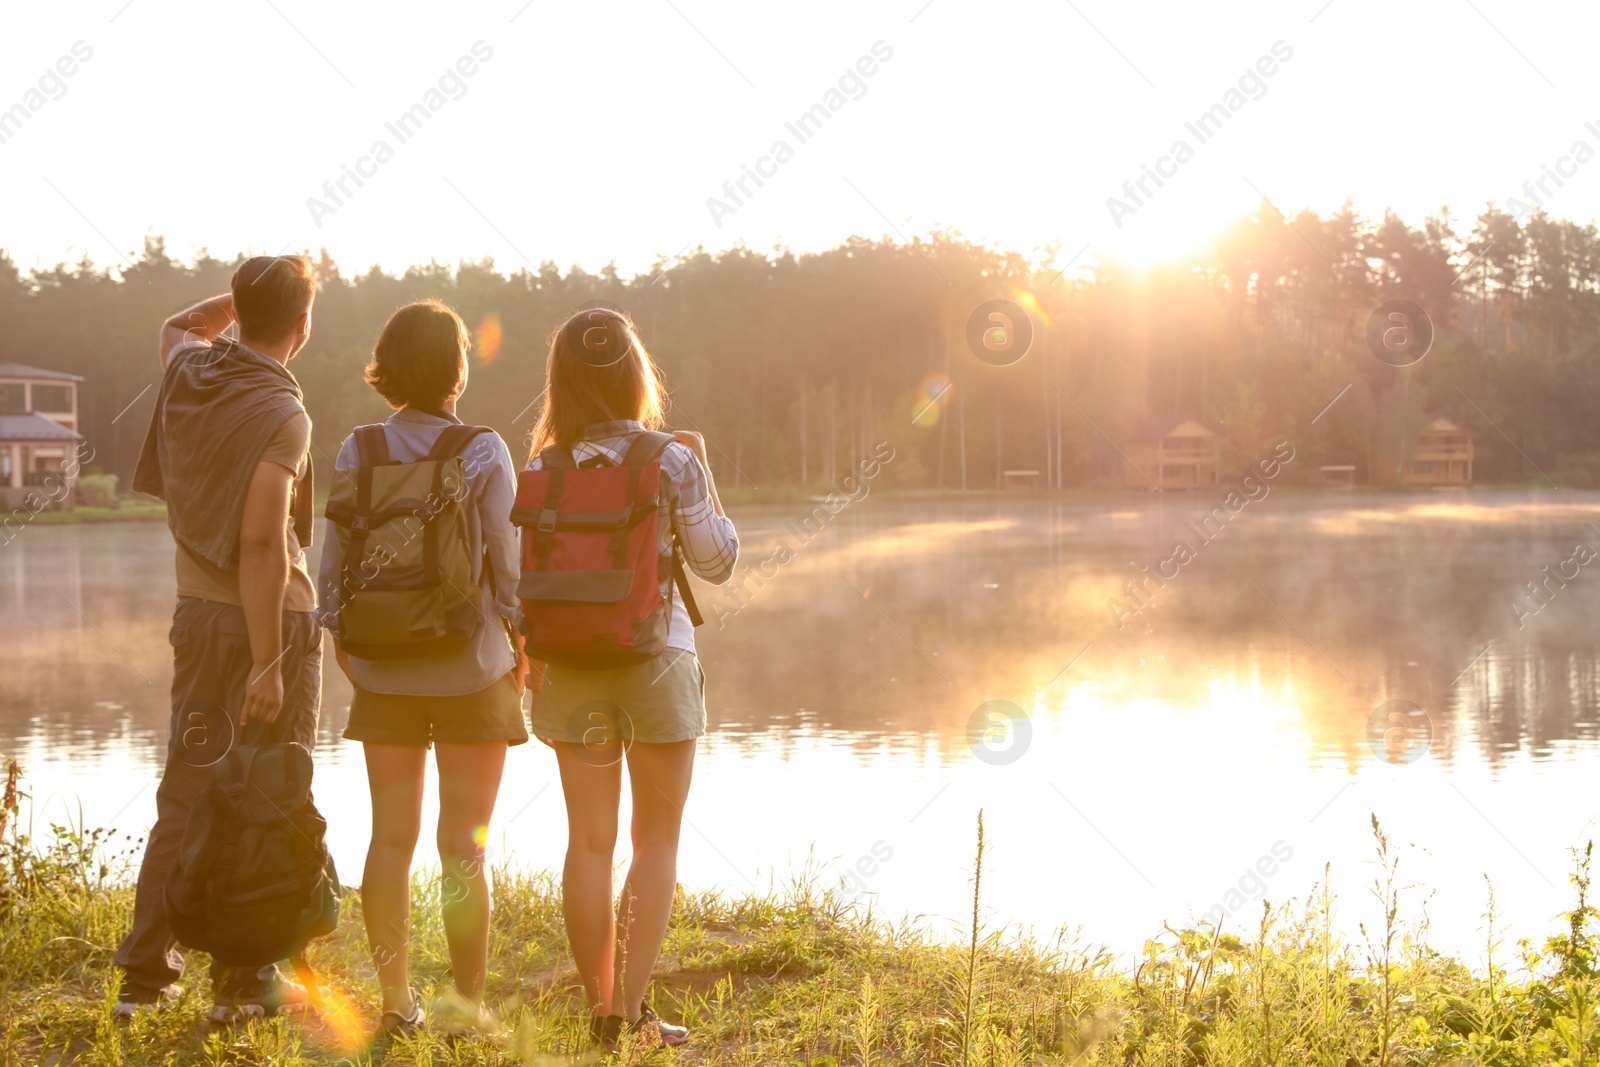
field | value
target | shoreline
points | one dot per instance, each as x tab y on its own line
744	497
129	511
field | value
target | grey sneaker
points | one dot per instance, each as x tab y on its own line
283	997
132	1000
226	1013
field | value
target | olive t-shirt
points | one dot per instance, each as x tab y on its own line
290	448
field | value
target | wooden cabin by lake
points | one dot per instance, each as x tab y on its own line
1171	452
38	436
1442	457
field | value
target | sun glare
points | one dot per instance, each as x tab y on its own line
488	338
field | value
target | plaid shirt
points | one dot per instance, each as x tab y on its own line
709	544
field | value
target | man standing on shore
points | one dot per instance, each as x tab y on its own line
228	450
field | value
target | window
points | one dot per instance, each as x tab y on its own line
13	398
54	398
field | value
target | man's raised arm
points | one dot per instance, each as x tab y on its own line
263	573
198	324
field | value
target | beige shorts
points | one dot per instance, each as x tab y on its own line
659	701
491	714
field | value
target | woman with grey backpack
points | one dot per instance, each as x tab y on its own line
418	589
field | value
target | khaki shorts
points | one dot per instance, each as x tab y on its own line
659	701
491	714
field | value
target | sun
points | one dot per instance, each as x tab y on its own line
1164	232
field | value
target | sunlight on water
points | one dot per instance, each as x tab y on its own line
922	539
1371	519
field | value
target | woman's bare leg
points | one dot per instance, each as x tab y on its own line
469	782
591	780
394	774
659	775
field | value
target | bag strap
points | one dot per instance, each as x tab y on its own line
454	440
372	446
646	446
372	450
555	458
450	443
557	461
680	578
644	449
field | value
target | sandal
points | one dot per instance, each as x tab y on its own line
395	1024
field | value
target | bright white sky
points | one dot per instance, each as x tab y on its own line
596	132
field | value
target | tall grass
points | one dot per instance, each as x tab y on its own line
798	976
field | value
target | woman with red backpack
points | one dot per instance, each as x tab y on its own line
611	513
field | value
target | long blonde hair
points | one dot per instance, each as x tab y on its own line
597	371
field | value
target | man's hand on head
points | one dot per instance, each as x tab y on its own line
199	324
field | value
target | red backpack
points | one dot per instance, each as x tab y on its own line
591	557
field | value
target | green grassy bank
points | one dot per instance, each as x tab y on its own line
801	977
127	511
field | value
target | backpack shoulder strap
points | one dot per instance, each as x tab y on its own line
454	440
372	446
646	447
555	458
372	450
680	578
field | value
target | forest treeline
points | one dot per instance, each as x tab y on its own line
795	366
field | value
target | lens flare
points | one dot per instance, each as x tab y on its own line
488	333
339	1015
928	401
480	834
1030	304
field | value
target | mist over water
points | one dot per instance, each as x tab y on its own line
1211	750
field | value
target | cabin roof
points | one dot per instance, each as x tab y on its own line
34	427
18	370
1158	426
1445	424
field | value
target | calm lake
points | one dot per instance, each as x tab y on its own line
915	662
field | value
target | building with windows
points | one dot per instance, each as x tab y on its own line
1171	452
1443	455
38	435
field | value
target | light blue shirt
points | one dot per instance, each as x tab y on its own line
486	506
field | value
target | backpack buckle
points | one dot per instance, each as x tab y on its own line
359	522
547	520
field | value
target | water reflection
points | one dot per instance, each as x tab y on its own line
1233	695
1319	604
